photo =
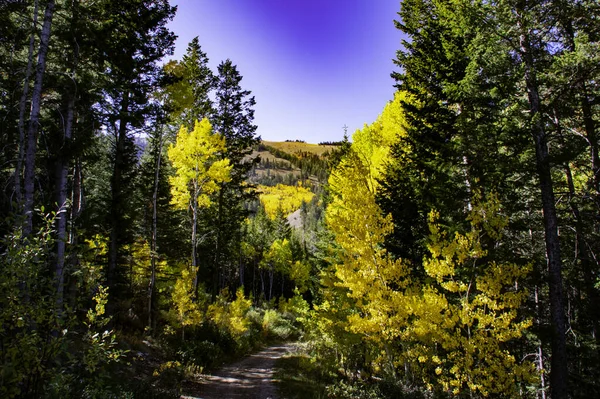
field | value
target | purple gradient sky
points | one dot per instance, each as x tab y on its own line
313	65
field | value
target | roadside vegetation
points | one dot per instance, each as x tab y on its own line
448	249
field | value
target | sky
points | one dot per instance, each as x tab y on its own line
314	66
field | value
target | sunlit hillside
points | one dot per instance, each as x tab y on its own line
295	147
284	198
288	162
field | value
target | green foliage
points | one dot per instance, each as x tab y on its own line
299	378
47	353
296	306
27	313
276	327
100	350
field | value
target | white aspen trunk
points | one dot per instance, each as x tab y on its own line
22	106
194	232
61	228
34	119
62	177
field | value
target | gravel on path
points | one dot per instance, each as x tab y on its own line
250	378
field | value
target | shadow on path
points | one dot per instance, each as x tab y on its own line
250	378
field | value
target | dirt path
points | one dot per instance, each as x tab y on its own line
250	378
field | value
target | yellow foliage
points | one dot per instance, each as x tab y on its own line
483	316
231	316
187	311
278	257
454	329
283	197
367	272
300	274
295	305
198	169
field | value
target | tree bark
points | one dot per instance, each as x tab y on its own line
116	211
63	214
153	243
77	204
559	368
63	170
22	106
34	119
195	234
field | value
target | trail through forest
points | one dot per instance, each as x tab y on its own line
249	378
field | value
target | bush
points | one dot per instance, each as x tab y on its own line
275	326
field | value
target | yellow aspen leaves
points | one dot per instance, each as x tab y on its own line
198	169
455	324
482	316
283	197
186	311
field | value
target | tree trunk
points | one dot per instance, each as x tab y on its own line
262	282
153	245
77	202
116	205
22	107
241	270
63	171
271	272
217	258
559	369
540	351
194	234
61	200
34	119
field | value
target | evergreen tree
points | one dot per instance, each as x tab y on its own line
134	38
233	118
200	82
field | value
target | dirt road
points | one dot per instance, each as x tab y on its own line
250	378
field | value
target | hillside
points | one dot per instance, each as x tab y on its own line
289	174
286	162
297	147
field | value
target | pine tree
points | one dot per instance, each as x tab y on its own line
134	38
200	81
233	118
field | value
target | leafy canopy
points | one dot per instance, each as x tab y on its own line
198	169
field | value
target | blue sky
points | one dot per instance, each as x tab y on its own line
313	65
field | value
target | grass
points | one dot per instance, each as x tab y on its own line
264	155
292	147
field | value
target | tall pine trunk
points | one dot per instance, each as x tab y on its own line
559	368
34	119
116	205
153	243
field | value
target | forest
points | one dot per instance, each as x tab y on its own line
448	249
